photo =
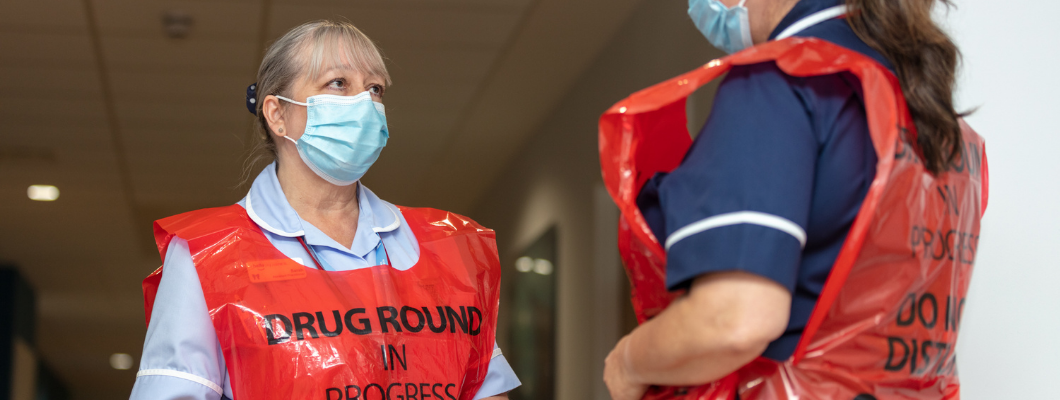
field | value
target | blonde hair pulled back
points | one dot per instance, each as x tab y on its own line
305	52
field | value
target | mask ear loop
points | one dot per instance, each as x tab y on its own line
288	137
291	101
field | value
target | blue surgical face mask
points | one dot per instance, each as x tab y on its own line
726	28
343	136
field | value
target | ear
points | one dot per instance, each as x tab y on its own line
273	112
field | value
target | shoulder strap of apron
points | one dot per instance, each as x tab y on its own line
188	226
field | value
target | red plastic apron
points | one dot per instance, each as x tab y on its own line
887	319
292	332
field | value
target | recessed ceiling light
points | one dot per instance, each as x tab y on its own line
121	361
43	192
542	266
524	264
177	24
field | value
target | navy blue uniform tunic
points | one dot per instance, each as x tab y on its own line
774	180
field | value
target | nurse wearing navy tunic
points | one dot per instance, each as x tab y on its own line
754	217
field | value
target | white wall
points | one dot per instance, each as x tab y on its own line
1009	345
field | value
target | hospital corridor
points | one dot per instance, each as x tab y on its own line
455	199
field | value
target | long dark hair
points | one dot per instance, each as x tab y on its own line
925	59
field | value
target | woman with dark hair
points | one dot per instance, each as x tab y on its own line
816	239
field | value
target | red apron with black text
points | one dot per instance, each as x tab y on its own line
887	319
292	332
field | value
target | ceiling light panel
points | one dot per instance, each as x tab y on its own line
43	193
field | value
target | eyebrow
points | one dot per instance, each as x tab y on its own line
350	68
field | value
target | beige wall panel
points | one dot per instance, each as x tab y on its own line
57	15
50	108
225	20
227	90
161	112
33	50
191	55
186	182
427	65
419	116
88	167
58	128
55	81
410	92
420	129
395	24
55	132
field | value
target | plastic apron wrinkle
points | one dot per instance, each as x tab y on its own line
294	332
887	320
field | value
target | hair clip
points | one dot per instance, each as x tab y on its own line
252	98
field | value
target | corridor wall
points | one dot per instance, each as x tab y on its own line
555	181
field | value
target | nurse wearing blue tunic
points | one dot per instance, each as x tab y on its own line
754	217
308	201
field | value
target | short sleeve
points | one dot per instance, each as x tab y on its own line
500	378
182	356
740	200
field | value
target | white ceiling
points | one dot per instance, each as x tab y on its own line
133	126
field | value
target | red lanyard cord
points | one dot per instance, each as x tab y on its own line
301	240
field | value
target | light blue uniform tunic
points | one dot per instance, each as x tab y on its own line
182	357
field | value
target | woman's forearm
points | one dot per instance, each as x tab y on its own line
664	351
725	321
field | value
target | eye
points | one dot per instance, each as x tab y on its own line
337	84
376	90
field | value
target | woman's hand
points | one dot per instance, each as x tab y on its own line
617	375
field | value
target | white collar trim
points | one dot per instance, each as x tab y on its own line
392	226
265	225
368	198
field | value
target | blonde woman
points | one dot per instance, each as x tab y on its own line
311	286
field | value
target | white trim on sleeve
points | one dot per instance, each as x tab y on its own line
735	218
496	352
813	19
182	375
